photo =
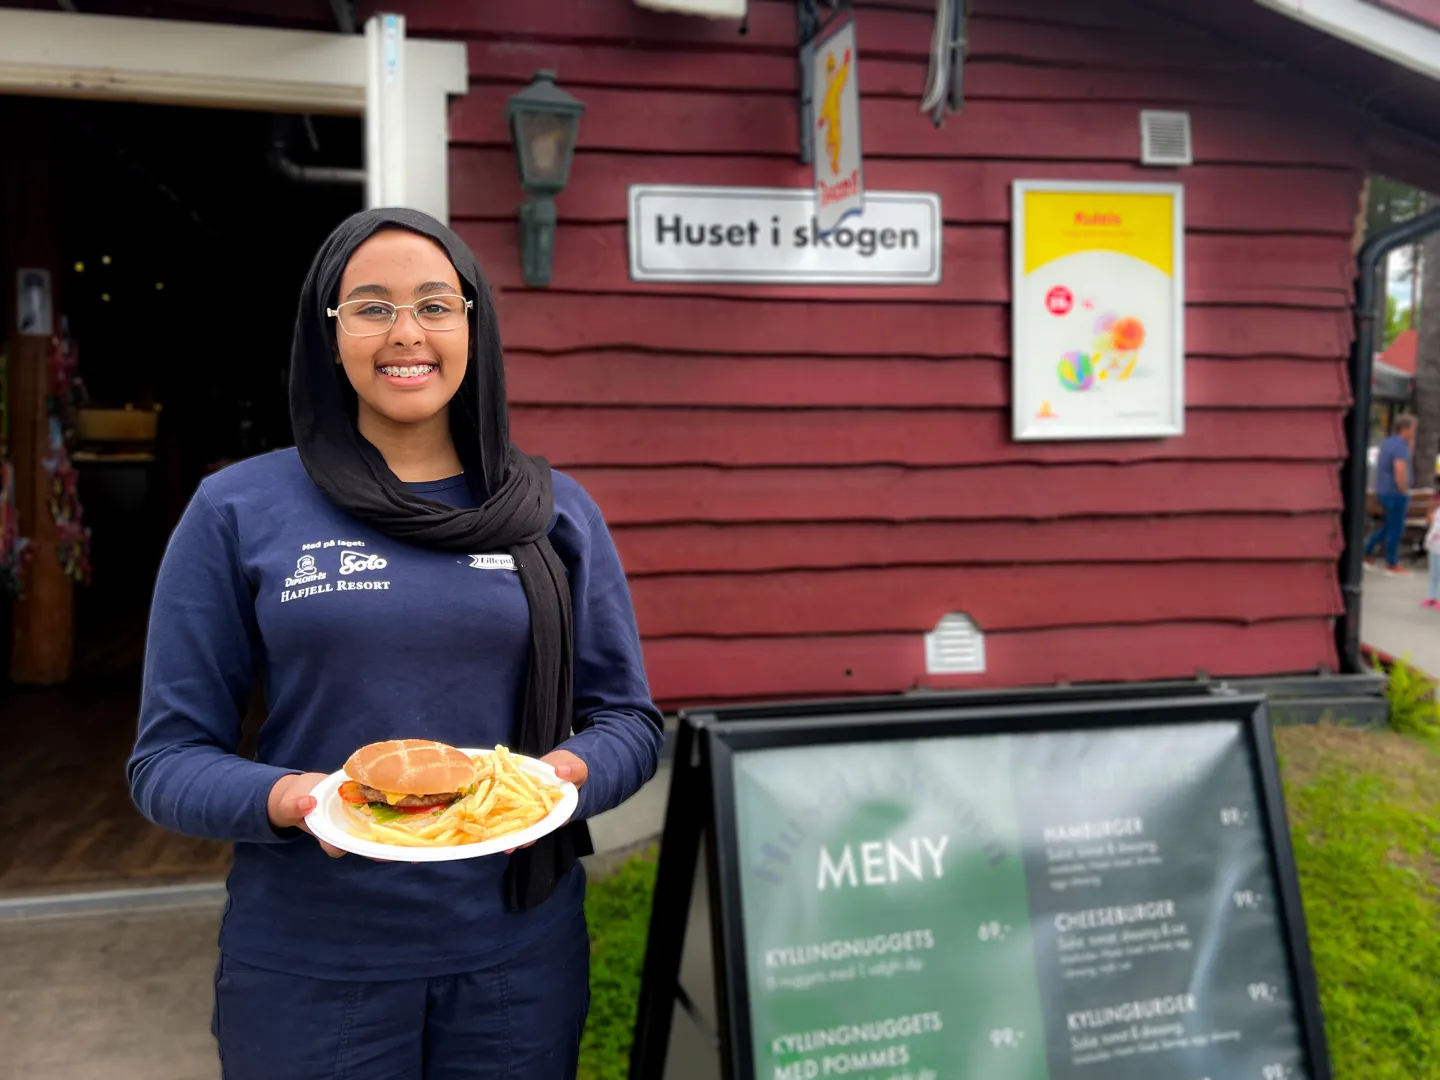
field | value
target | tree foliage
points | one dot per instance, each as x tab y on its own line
1390	202
1397	319
1427	364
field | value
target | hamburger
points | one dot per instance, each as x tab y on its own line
405	781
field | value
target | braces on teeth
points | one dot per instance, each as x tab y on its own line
408	372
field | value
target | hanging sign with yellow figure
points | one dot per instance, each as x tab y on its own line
835	126
1098	310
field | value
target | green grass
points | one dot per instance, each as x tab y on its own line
618	909
1364	809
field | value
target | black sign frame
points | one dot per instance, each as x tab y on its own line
688	808
721	740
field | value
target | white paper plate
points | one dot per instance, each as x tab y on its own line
330	821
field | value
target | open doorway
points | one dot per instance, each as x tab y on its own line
185	240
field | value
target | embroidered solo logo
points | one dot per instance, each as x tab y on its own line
354	562
305	572
492	562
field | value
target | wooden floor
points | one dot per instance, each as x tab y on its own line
69	823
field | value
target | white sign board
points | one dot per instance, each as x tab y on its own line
835	130
709	9
772	235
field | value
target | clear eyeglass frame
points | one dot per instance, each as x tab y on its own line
395	309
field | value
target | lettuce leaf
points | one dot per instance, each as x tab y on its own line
385	813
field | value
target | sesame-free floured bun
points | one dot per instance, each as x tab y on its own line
402	777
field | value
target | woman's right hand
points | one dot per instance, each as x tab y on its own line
290	800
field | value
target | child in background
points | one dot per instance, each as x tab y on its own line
1432	549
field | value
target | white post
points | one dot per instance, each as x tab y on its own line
408	84
385	111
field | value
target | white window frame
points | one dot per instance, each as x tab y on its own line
401	87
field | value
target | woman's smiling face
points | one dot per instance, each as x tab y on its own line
407	374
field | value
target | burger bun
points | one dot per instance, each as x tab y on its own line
411	767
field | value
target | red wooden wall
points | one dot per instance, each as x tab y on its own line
801	481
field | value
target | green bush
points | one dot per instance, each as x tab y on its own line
1411	695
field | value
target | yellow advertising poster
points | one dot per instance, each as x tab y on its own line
1098	310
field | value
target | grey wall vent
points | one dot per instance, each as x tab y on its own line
1165	138
955	647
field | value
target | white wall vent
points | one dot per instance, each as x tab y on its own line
1165	138
955	647
710	9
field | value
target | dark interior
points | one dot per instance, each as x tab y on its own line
185	254
185	246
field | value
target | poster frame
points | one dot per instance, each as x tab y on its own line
1024	427
721	741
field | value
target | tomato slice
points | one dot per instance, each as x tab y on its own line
350	792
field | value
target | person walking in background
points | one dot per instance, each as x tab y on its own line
1432	551
1392	488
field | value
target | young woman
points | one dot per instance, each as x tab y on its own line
345	571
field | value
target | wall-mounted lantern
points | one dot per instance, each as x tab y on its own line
544	121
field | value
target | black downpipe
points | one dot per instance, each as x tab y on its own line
344	12
281	164
1357	435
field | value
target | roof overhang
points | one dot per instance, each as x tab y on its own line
1401	33
1390	384
1371	68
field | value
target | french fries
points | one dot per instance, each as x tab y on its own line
504	800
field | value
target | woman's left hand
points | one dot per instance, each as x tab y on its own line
567	767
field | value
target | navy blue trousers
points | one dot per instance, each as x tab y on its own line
1392	527
517	1020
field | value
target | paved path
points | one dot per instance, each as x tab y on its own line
1392	620
127	995
118	997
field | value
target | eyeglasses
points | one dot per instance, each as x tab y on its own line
369	318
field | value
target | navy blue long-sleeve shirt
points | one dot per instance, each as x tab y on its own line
360	638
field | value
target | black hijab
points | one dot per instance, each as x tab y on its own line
512	490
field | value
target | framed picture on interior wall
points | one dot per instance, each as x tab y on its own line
1097	310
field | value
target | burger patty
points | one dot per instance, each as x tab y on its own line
372	795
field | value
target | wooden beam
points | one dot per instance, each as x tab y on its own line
43	628
715	380
169	60
679	494
690	670
596	436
